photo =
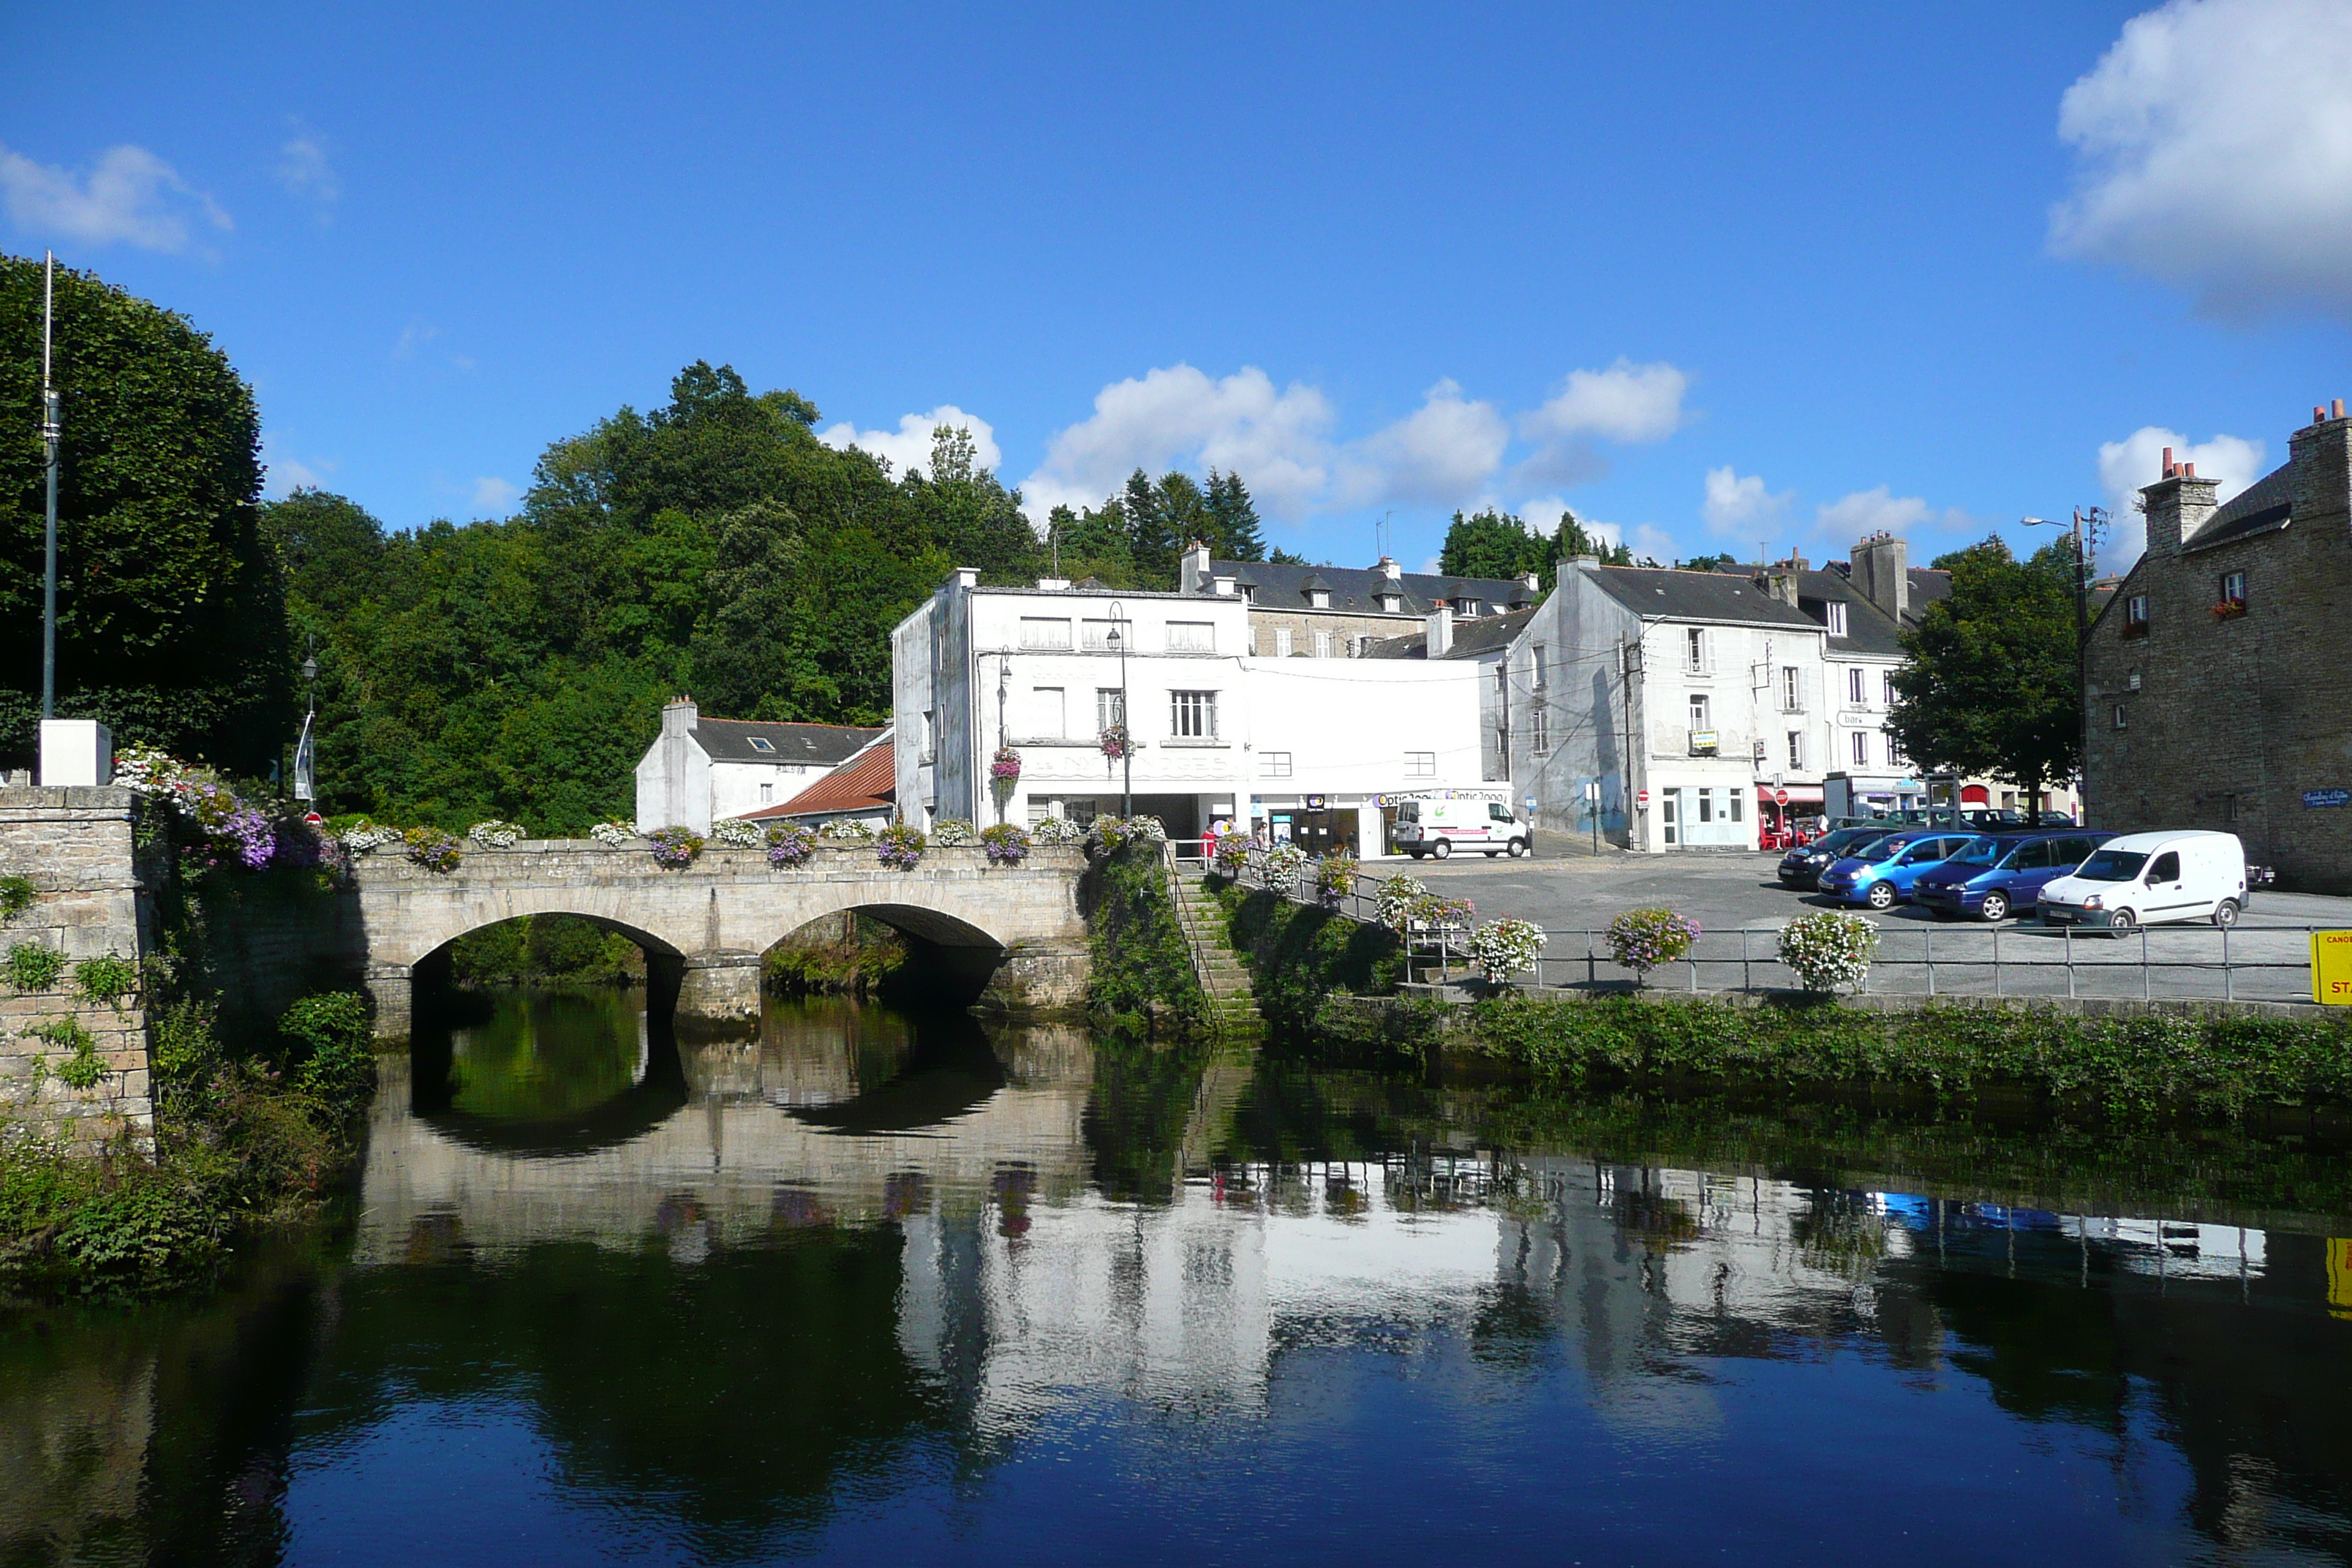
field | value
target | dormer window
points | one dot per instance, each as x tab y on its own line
1319	598
1391	603
762	744
1836	619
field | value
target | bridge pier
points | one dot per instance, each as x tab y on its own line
720	987
392	987
1038	977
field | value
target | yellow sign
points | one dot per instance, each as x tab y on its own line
2339	1275
2331	968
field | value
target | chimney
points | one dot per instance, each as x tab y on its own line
680	716
2176	505
1393	571
1194	569
2321	454
1878	567
1530	581
1439	623
1224	587
1780	583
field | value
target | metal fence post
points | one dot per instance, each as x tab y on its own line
2069	932
1996	960
2228	977
1747	980
2145	979
1592	964
1928	944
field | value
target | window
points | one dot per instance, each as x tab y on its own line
1706	805
1861	748
1539	727
1502	684
1421	764
767	794
1322	645
1539	667
2131	683
1282	642
1796	750
1047	632
1192	715
1110	707
1792	690
1048	712
2135	616
2122	720
2165	870
1836	619
2234	587
761	744
1698	710
1191	637
1252	642
1096	637
1274	764
1894	752
1886	683
1737	805
931	734
1319	598
1856	690
2033	857
1498	812
1695	650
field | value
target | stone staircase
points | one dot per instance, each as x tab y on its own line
1232	1009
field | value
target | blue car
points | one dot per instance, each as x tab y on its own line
2001	874
1882	875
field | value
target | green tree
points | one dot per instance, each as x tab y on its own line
171	621
1233	519
1490	543
963	510
1991	685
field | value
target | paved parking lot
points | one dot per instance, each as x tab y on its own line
2268	954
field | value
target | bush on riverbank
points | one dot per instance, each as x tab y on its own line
855	957
2207	1064
1298	957
543	950
1142	970
239	1139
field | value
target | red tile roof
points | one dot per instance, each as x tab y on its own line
866	783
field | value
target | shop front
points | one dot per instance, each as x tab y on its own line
1318	824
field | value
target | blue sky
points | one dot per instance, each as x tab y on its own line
1710	275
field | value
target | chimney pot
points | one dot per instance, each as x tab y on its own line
2337	409
2319	413
2168	462
2188	471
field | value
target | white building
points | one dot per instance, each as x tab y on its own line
1307	748
699	771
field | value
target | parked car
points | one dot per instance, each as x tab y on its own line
2001	874
1801	867
1992	821
1439	827
2151	879
1881	875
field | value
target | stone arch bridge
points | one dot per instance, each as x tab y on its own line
1013	935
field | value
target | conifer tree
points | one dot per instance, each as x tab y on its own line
1237	534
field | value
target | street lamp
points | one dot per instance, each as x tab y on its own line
303	755
2097	518
1127	753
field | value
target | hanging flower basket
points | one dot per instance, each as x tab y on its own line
674	847
432	850
899	847
1642	940
789	844
1005	768
1116	742
1006	844
1506	947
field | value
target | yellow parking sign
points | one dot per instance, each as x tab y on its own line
2331	968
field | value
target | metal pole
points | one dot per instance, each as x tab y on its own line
2069	931
1927	940
49	423
2081	668
2228	977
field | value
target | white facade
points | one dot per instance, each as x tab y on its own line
1307	748
699	771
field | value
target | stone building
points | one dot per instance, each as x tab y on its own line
1334	612
2215	687
701	770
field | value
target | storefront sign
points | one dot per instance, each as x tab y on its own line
1314	802
2331	968
2314	798
1397	797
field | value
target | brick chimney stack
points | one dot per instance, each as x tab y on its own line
2178	505
1192	572
1879	566
1439	625
2321	455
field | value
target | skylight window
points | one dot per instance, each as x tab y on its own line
762	744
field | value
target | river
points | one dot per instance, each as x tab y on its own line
881	1288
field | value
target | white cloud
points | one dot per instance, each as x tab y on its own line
492	495
131	196
414	336
307	174
2230	461
1865	512
1179	416
1441	454
910	446
2216	143
1733	503
283	473
1629	403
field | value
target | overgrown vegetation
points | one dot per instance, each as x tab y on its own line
1142	981
109	978
30	966
1299	957
17	896
546	950
851	956
2206	1065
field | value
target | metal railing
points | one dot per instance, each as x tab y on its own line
2240	963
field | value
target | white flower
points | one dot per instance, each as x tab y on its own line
614	833
1503	948
737	834
495	833
1830	949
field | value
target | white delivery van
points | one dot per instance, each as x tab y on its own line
1440	828
2149	878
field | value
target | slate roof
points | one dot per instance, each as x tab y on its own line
1697	596
1354	587
1868	629
826	746
2264	507
866	783
1472	639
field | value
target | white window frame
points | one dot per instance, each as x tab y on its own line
1836	618
2233	595
1322	645
1421	764
1536	669
1191	715
1886	687
1858	688
1274	764
1282	642
1046	634
1191	637
1110	707
1539	727
1093	636
1861	748
1792	690
1796	750
1697	651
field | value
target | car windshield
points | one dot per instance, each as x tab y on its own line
1885	850
2112	866
1845	838
1979	852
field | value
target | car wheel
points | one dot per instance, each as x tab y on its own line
2225	913
1881	896
1414	853
1442	849
1518	847
1996	906
2121	921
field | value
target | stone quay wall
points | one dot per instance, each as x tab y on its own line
77	847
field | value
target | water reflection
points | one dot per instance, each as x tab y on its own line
880	1285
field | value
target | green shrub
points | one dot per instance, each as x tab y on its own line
332	1046
108	979
1298	957
82	1067
1142	966
17	896
32	967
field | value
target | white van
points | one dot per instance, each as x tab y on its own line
1439	827
2150	878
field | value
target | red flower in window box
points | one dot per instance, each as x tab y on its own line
2229	609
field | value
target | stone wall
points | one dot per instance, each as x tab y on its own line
2239	724
75	847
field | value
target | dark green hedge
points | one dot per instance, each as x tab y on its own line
2166	1062
1142	968
1298	957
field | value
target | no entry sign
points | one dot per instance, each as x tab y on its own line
1780	797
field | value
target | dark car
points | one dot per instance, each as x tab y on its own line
2001	873
1991	821
1801	867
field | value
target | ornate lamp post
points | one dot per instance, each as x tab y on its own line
1127	753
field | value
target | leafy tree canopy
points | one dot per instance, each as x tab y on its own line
1991	688
1498	544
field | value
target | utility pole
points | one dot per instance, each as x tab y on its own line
2097	519
49	433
